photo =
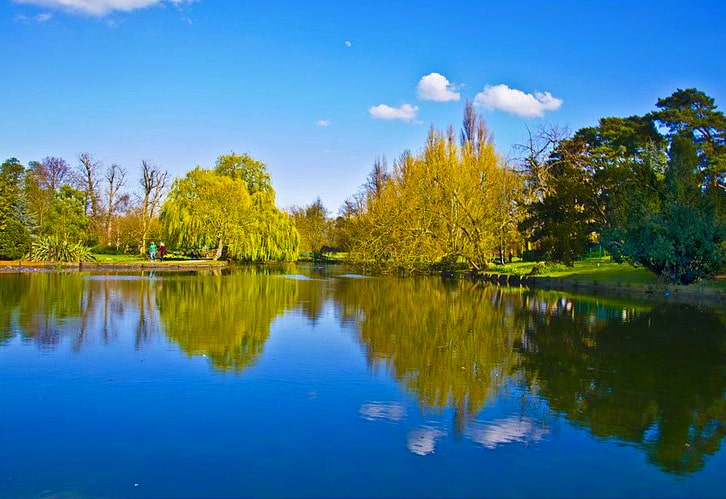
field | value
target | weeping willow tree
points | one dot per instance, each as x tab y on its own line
230	208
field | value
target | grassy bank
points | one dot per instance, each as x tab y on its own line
607	277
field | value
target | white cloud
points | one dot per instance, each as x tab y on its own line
436	87
405	112
322	123
100	7
40	18
515	101
348	43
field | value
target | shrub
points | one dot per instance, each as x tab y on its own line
57	249
14	240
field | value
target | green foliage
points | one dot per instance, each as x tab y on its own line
692	114
681	239
616	184
247	169
561	224
54	248
14	240
14	236
104	249
214	208
65	217
205	209
271	235
314	226
11	175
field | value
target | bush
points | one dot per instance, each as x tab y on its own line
103	249
538	269
547	268
57	249
14	241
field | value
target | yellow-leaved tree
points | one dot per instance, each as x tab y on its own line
230	208
455	201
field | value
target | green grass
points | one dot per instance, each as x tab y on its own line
605	271
122	258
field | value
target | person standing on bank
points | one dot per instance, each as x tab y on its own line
162	251
152	251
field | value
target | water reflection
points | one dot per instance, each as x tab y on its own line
655	378
226	319
449	346
383	411
492	434
45	308
422	441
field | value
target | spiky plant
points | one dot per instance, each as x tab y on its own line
54	248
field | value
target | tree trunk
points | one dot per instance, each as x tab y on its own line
218	253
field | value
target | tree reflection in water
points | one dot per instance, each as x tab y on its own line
449	345
653	378
44	307
226	318
650	376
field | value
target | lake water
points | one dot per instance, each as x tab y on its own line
309	382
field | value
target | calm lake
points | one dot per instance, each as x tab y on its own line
310	382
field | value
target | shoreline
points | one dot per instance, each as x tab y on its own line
11	267
692	294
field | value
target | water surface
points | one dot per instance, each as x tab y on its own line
313	382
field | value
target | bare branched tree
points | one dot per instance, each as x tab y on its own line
473	129
535	158
55	171
153	182
377	178
86	179
115	180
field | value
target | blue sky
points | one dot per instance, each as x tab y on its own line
319	89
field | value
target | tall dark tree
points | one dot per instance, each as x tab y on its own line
14	236
562	222
692	114
682	240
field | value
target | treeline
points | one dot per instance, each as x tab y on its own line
63	210
53	211
651	190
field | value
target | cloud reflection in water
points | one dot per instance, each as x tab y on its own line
505	431
388	411
422	441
